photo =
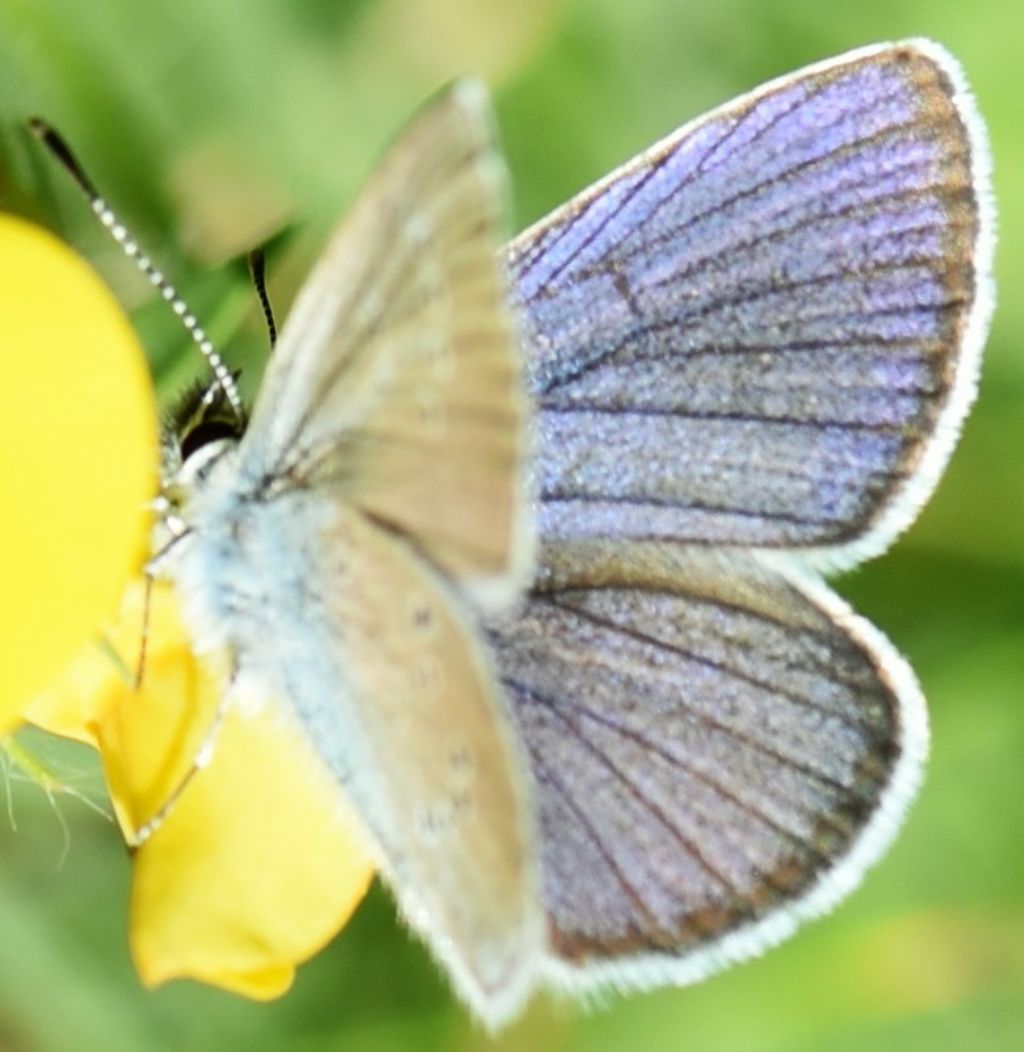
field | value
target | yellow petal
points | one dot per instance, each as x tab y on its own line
78	458
257	863
100	676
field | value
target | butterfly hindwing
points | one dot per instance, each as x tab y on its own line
429	760
719	748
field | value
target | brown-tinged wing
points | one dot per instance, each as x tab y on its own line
409	714
397	379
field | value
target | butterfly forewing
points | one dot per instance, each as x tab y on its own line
764	330
397	378
719	748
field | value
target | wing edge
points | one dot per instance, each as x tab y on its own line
904	503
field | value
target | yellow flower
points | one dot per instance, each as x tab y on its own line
254	866
78	457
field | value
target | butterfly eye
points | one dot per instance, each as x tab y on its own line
201	416
205	432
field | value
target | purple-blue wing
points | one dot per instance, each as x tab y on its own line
764	331
719	748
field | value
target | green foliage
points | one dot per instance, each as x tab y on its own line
214	126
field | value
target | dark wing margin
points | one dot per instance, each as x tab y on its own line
765	330
720	748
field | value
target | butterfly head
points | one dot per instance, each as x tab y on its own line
196	433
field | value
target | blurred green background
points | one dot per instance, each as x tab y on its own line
214	125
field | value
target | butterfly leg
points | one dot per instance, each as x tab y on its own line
201	760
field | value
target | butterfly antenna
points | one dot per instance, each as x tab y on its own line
62	152
257	272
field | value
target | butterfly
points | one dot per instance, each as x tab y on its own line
665	743
340	543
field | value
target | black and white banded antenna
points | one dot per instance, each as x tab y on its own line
222	375
257	271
